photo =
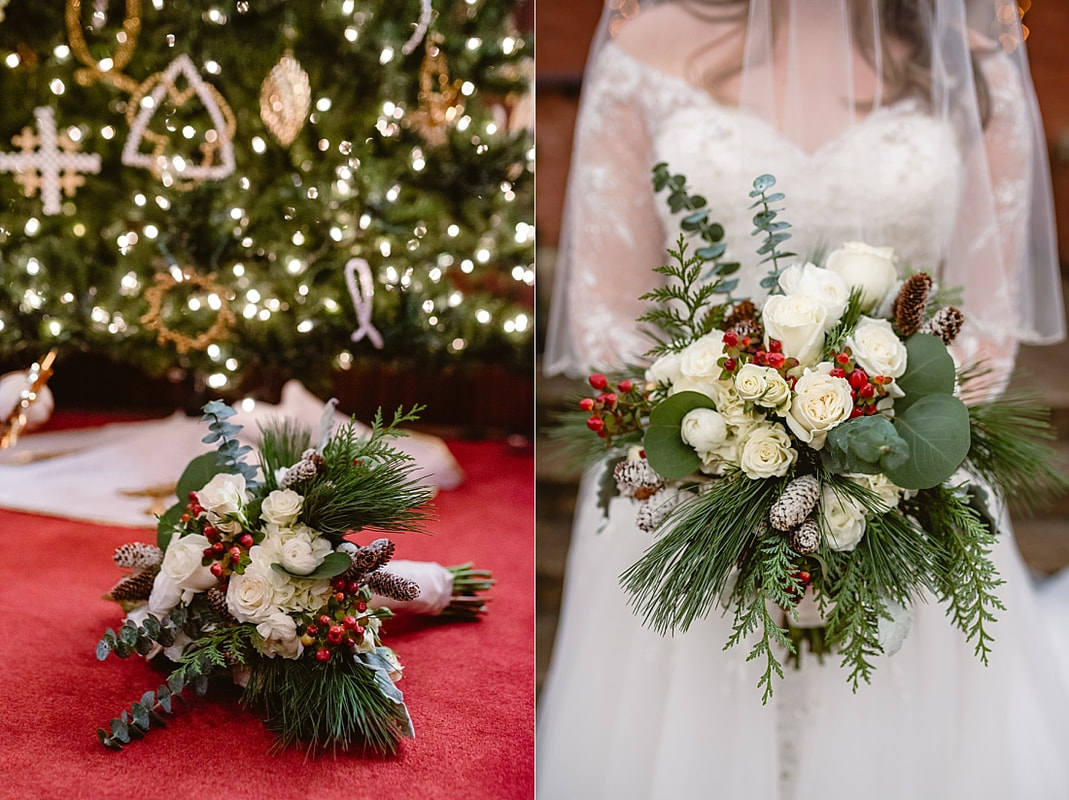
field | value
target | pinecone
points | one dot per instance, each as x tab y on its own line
299	472
217	600
745	310
805	539
393	586
794	504
946	324
909	305
636	478
134	587
748	327
653	511
138	556
369	558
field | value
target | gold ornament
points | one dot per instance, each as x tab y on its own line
36	378
439	98
285	99
217	147
153	319
127	39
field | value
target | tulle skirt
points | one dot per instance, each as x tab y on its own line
628	714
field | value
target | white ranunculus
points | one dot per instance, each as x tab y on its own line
281	507
703	429
182	564
821	402
303	551
766	452
665	369
844	520
826	287
251	596
222	496
280	636
763	386
700	359
871	269
876	347
798	322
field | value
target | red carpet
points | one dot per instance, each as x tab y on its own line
469	687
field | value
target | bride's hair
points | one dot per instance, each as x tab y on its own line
904	51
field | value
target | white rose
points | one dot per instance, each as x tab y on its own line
700	359
165	595
730	405
706	386
281	507
826	287
870	269
704	429
821	402
182	564
223	495
665	369
876	348
251	596
766	452
280	636
302	552
844	520
763	386
798	323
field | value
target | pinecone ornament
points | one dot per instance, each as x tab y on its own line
134	588
305	469
805	539
911	302
138	556
393	586
795	503
652	512
946	324
216	598
747	327
745	310
636	478
369	558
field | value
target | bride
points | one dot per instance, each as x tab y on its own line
903	123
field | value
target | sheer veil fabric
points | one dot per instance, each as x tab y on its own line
910	124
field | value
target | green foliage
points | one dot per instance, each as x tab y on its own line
867	444
853	622
229	450
140	639
697	222
668	454
338	705
366	483
467	603
936	432
775	232
282	441
134	724
679	578
835	339
929	370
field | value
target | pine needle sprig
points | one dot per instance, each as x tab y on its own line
281	444
681	576
968	580
835	339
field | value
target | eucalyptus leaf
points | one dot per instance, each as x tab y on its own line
197	473
761	183
102	649
867	445
666	451
936	431
929	370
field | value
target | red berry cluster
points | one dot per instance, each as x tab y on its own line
340	624
613	413
793	591
865	390
749	349
228	552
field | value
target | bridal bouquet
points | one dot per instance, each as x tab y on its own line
255	577
809	464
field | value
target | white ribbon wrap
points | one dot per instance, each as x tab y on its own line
361	284
435	588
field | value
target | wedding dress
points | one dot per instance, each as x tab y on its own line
629	714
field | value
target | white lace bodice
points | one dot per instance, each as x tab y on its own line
893	178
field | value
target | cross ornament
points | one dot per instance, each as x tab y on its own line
48	163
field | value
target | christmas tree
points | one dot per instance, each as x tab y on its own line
265	186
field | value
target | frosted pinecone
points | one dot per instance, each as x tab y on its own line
747	327
656	508
393	586
636	478
911	302
305	469
134	587
138	556
794	504
216	598
946	324
805	539
369	558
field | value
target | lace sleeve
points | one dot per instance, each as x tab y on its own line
612	238
991	241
